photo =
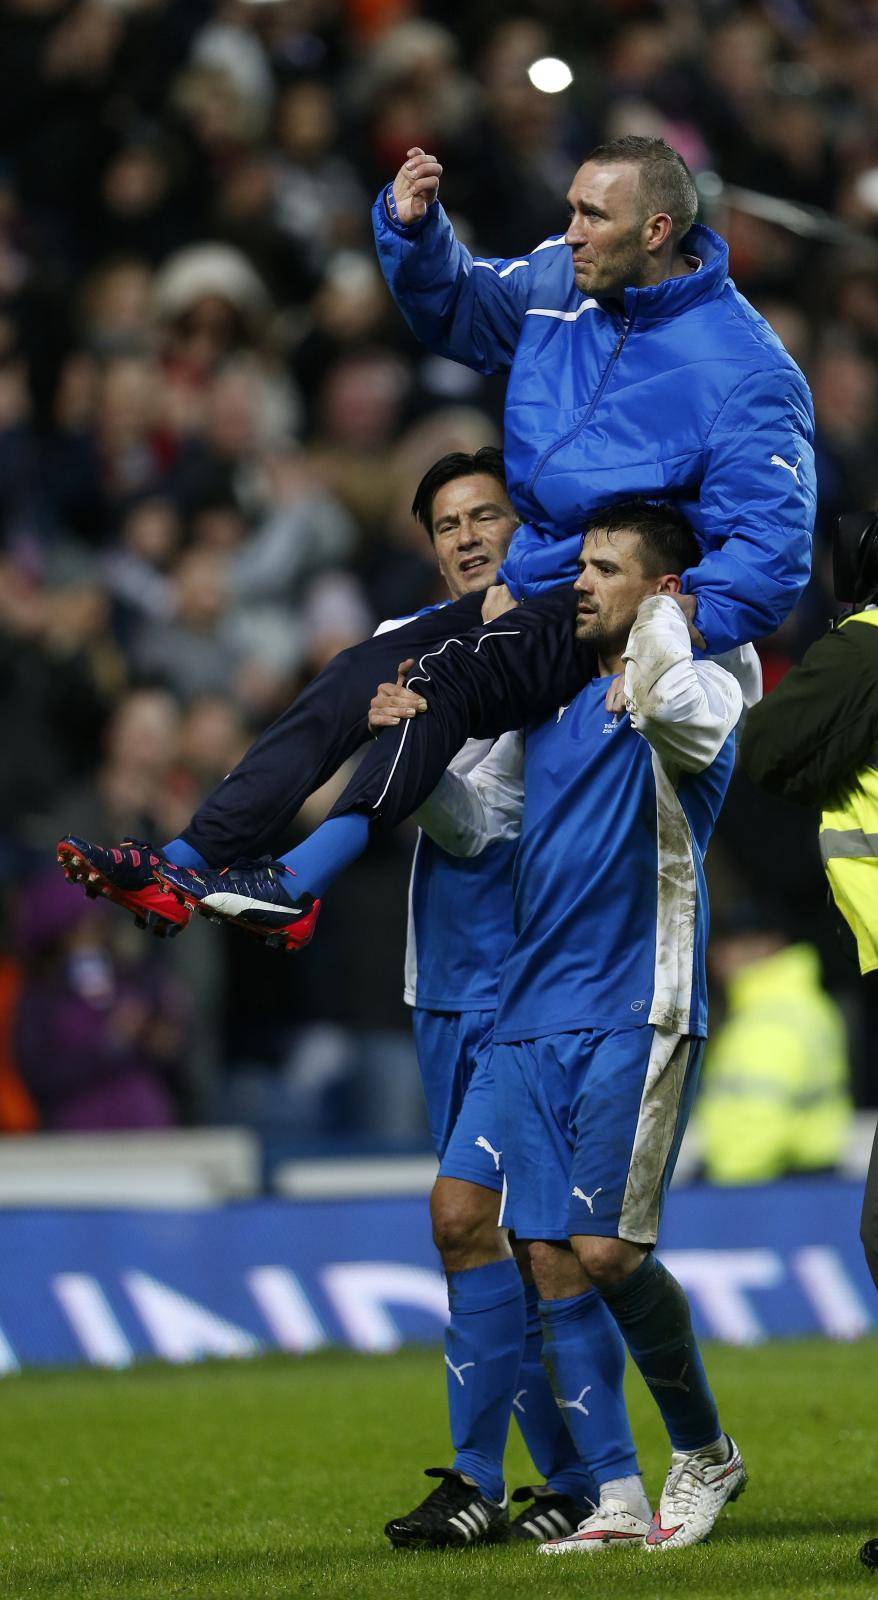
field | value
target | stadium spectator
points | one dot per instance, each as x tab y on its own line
99	1041
776	1070
137	570
59	672
195	653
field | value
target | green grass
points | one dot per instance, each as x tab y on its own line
274	1478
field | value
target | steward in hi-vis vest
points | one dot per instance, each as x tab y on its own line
849	833
815	740
776	1069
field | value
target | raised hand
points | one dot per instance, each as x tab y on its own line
416	185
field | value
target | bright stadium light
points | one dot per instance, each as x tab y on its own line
550	75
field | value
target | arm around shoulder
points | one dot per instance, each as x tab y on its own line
685	709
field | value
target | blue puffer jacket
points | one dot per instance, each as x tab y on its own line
686	394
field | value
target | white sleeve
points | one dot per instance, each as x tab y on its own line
468	811
744	665
392	624
685	708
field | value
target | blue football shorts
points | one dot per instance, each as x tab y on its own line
590	1125
454	1055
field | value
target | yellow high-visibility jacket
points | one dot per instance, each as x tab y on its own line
814	740
849	846
774	1096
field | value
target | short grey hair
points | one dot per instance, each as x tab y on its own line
666	183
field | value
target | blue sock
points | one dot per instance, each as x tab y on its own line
586	1362
326	853
653	1314
182	854
484	1342
542	1425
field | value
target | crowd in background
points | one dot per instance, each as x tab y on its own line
212	420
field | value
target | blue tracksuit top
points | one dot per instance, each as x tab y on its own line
683	393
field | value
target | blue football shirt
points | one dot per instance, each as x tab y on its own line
610	900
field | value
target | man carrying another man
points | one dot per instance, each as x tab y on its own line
601	1012
635	368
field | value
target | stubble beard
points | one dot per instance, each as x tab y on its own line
626	269
590	631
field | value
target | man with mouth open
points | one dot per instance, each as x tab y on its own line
460	927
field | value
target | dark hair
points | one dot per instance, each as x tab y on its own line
667	541
456	465
665	180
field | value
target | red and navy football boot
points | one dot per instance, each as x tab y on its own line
124	874
252	895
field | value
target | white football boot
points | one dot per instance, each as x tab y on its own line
611	1526
696	1489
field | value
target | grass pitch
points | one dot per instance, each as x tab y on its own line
274	1478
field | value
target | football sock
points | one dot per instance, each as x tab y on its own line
542	1425
484	1343
326	853
182	854
632	1494
585	1358
653	1315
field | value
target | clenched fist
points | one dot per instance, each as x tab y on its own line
416	185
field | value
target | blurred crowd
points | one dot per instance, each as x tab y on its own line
212	420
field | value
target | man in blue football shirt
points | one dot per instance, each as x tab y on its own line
601	1012
460	928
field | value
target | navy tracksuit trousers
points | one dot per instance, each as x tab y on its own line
480	680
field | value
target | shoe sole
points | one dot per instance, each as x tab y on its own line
284	938
416	1541
79	870
597	1545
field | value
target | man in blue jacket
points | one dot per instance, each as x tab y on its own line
635	369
